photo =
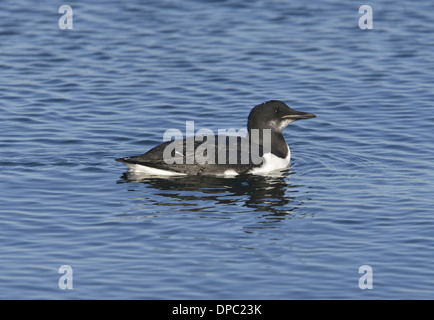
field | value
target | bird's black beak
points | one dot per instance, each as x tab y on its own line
298	115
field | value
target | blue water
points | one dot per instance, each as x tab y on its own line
359	190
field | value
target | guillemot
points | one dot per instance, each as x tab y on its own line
266	120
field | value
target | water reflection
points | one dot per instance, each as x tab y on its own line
273	196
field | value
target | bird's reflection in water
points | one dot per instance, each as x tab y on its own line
273	196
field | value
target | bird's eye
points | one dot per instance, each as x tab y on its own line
276	111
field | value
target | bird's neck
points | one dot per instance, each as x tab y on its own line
278	144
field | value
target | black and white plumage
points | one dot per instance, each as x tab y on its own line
226	155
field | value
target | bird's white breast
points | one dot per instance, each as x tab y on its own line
272	163
145	170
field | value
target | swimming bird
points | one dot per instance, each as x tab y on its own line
262	151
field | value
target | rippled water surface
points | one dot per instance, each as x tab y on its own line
359	190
